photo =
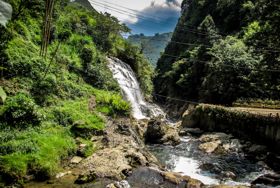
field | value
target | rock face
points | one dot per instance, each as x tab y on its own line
260	128
159	132
120	151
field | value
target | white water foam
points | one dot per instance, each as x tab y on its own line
131	91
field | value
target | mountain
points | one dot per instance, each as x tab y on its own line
85	3
152	46
53	93
222	51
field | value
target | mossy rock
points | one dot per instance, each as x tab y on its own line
84	130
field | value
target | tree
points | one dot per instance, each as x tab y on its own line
229	72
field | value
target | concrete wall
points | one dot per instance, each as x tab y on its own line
261	129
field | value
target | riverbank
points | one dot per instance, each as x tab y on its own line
261	126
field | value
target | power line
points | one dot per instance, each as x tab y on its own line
155	94
258	70
142	17
132	10
171	98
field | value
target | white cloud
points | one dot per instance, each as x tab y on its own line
122	8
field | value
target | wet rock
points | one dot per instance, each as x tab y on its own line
121	184
229	186
268	180
159	132
214	137
211	167
61	174
228	174
155	131
191	131
257	149
209	147
86	178
178	179
155	178
76	160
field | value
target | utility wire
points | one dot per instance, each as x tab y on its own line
142	17
170	98
258	70
132	10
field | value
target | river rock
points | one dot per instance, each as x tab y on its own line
158	132
154	178
268	180
228	174
257	149
214	137
119	184
191	131
209	147
211	167
76	160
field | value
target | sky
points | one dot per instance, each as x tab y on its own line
143	16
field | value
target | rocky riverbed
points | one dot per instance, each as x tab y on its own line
196	159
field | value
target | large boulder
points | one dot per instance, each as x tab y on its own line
159	132
155	178
219	143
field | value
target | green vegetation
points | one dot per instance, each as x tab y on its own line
45	103
151	46
36	151
227	50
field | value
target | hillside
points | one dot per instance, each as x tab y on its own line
222	51
49	99
151	46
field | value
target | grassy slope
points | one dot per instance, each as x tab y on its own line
61	98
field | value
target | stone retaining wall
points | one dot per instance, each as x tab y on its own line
262	129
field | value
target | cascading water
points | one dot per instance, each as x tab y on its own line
131	91
185	158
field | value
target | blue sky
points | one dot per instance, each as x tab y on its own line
149	17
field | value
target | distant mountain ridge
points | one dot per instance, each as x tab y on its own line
152	46
85	3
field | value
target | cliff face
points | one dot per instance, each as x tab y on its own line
208	38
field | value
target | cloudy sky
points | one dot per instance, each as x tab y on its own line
143	16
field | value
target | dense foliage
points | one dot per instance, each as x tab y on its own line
151	46
223	51
45	103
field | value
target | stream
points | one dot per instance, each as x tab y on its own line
231	169
186	158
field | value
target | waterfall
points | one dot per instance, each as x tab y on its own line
131	91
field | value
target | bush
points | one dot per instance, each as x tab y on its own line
20	111
41	89
112	104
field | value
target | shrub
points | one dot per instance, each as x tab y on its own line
41	89
20	111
